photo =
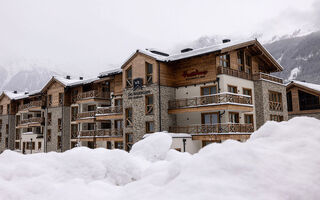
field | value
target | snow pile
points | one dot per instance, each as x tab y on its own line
279	161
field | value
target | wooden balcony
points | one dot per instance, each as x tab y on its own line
86	115
233	72
32	120
101	133
211	100
213	128
93	94
263	76
109	110
275	106
32	104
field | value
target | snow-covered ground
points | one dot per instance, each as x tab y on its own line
279	161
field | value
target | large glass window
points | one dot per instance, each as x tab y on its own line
224	60
210	118
308	101
149	72
209	90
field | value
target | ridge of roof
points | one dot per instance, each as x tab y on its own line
312	86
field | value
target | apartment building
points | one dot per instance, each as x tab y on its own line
213	94
199	95
303	99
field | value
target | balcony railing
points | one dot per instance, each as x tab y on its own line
30	105
101	133
32	120
220	98
109	110
89	114
233	72
213	128
275	106
269	77
91	95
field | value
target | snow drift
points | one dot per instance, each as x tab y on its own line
279	161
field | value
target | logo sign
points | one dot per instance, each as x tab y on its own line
137	83
193	74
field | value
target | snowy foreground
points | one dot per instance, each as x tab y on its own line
279	161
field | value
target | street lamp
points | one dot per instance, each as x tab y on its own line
31	145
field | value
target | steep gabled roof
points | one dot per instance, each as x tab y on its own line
224	47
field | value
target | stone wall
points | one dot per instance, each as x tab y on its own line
136	100
10	121
261	90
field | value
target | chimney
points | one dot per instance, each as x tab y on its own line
15	92
186	50
26	92
68	77
226	40
81	78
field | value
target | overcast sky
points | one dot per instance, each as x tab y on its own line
94	35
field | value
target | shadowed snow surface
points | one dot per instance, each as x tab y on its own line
279	161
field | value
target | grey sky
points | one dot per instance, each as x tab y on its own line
93	34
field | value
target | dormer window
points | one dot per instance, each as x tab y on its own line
224	60
149	72
129	82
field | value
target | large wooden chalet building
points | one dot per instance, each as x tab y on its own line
204	95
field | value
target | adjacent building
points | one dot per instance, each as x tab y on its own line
303	99
199	95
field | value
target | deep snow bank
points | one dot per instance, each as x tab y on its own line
280	161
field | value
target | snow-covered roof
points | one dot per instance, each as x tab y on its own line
110	72
13	95
308	85
73	82
27	94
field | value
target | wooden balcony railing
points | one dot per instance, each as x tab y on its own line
91	95
213	128
101	133
32	120
220	98
89	114
275	106
109	110
30	105
233	72
269	77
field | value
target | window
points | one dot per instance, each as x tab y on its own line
106	125
0	137
118	102
149	71
129	82
39	145
275	101
247	91
118	124
109	145
232	89
59	143
240	61
224	60
60	99
73	144
30	145
233	117
149	104
106	87
74	113
209	118
90	126
74	131
8	108
149	127
248	119
274	96
91	108
277	118
49	100
17	145
249	64
49	135
209	90
308	101
49	119
129	141
118	145
129	117
289	101
59	125
1	109
6	142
